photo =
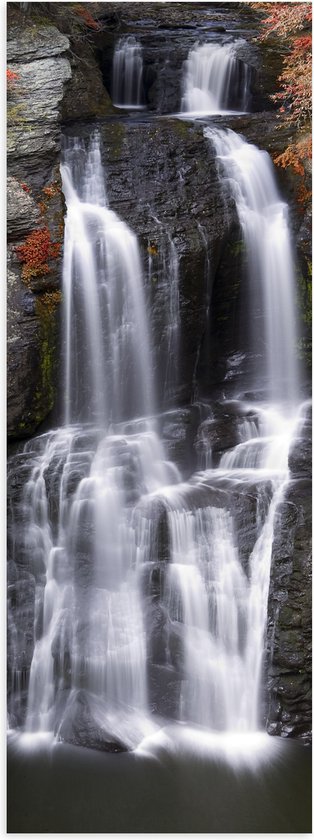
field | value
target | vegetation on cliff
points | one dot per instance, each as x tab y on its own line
291	22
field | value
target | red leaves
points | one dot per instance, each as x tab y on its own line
304	43
285	20
12	77
35	253
51	190
87	17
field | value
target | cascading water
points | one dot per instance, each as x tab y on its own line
264	220
107	343
78	502
223	609
221	606
127	82
102	508
214	80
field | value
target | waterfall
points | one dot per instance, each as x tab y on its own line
264	220
218	608
121	546
214	80
108	366
85	483
127	84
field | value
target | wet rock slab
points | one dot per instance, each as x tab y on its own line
83	727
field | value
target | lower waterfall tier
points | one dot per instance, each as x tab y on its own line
146	594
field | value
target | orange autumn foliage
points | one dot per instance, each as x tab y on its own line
295	155
35	253
292	23
86	17
11	76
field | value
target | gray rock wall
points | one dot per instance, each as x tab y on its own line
36	57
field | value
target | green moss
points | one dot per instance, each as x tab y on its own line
181	127
38	21
15	113
115	132
305	294
46	310
304	348
237	248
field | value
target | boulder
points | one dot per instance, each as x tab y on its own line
85	724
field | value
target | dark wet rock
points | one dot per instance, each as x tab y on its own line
20	468
289	636
221	431
176	651
85	96
153	580
152	514
20	643
29	303
164	691
300	455
157	629
32	360
178	430
81	725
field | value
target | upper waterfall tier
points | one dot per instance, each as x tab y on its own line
127	87
263	215
215	80
107	355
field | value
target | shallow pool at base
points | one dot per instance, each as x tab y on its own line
187	788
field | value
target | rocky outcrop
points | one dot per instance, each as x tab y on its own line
39	70
85	724
289	639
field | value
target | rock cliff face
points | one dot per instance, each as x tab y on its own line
162	179
288	707
36	58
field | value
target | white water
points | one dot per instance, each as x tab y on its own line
107	337
89	506
223	608
93	629
214	81
127	84
264	219
93	632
